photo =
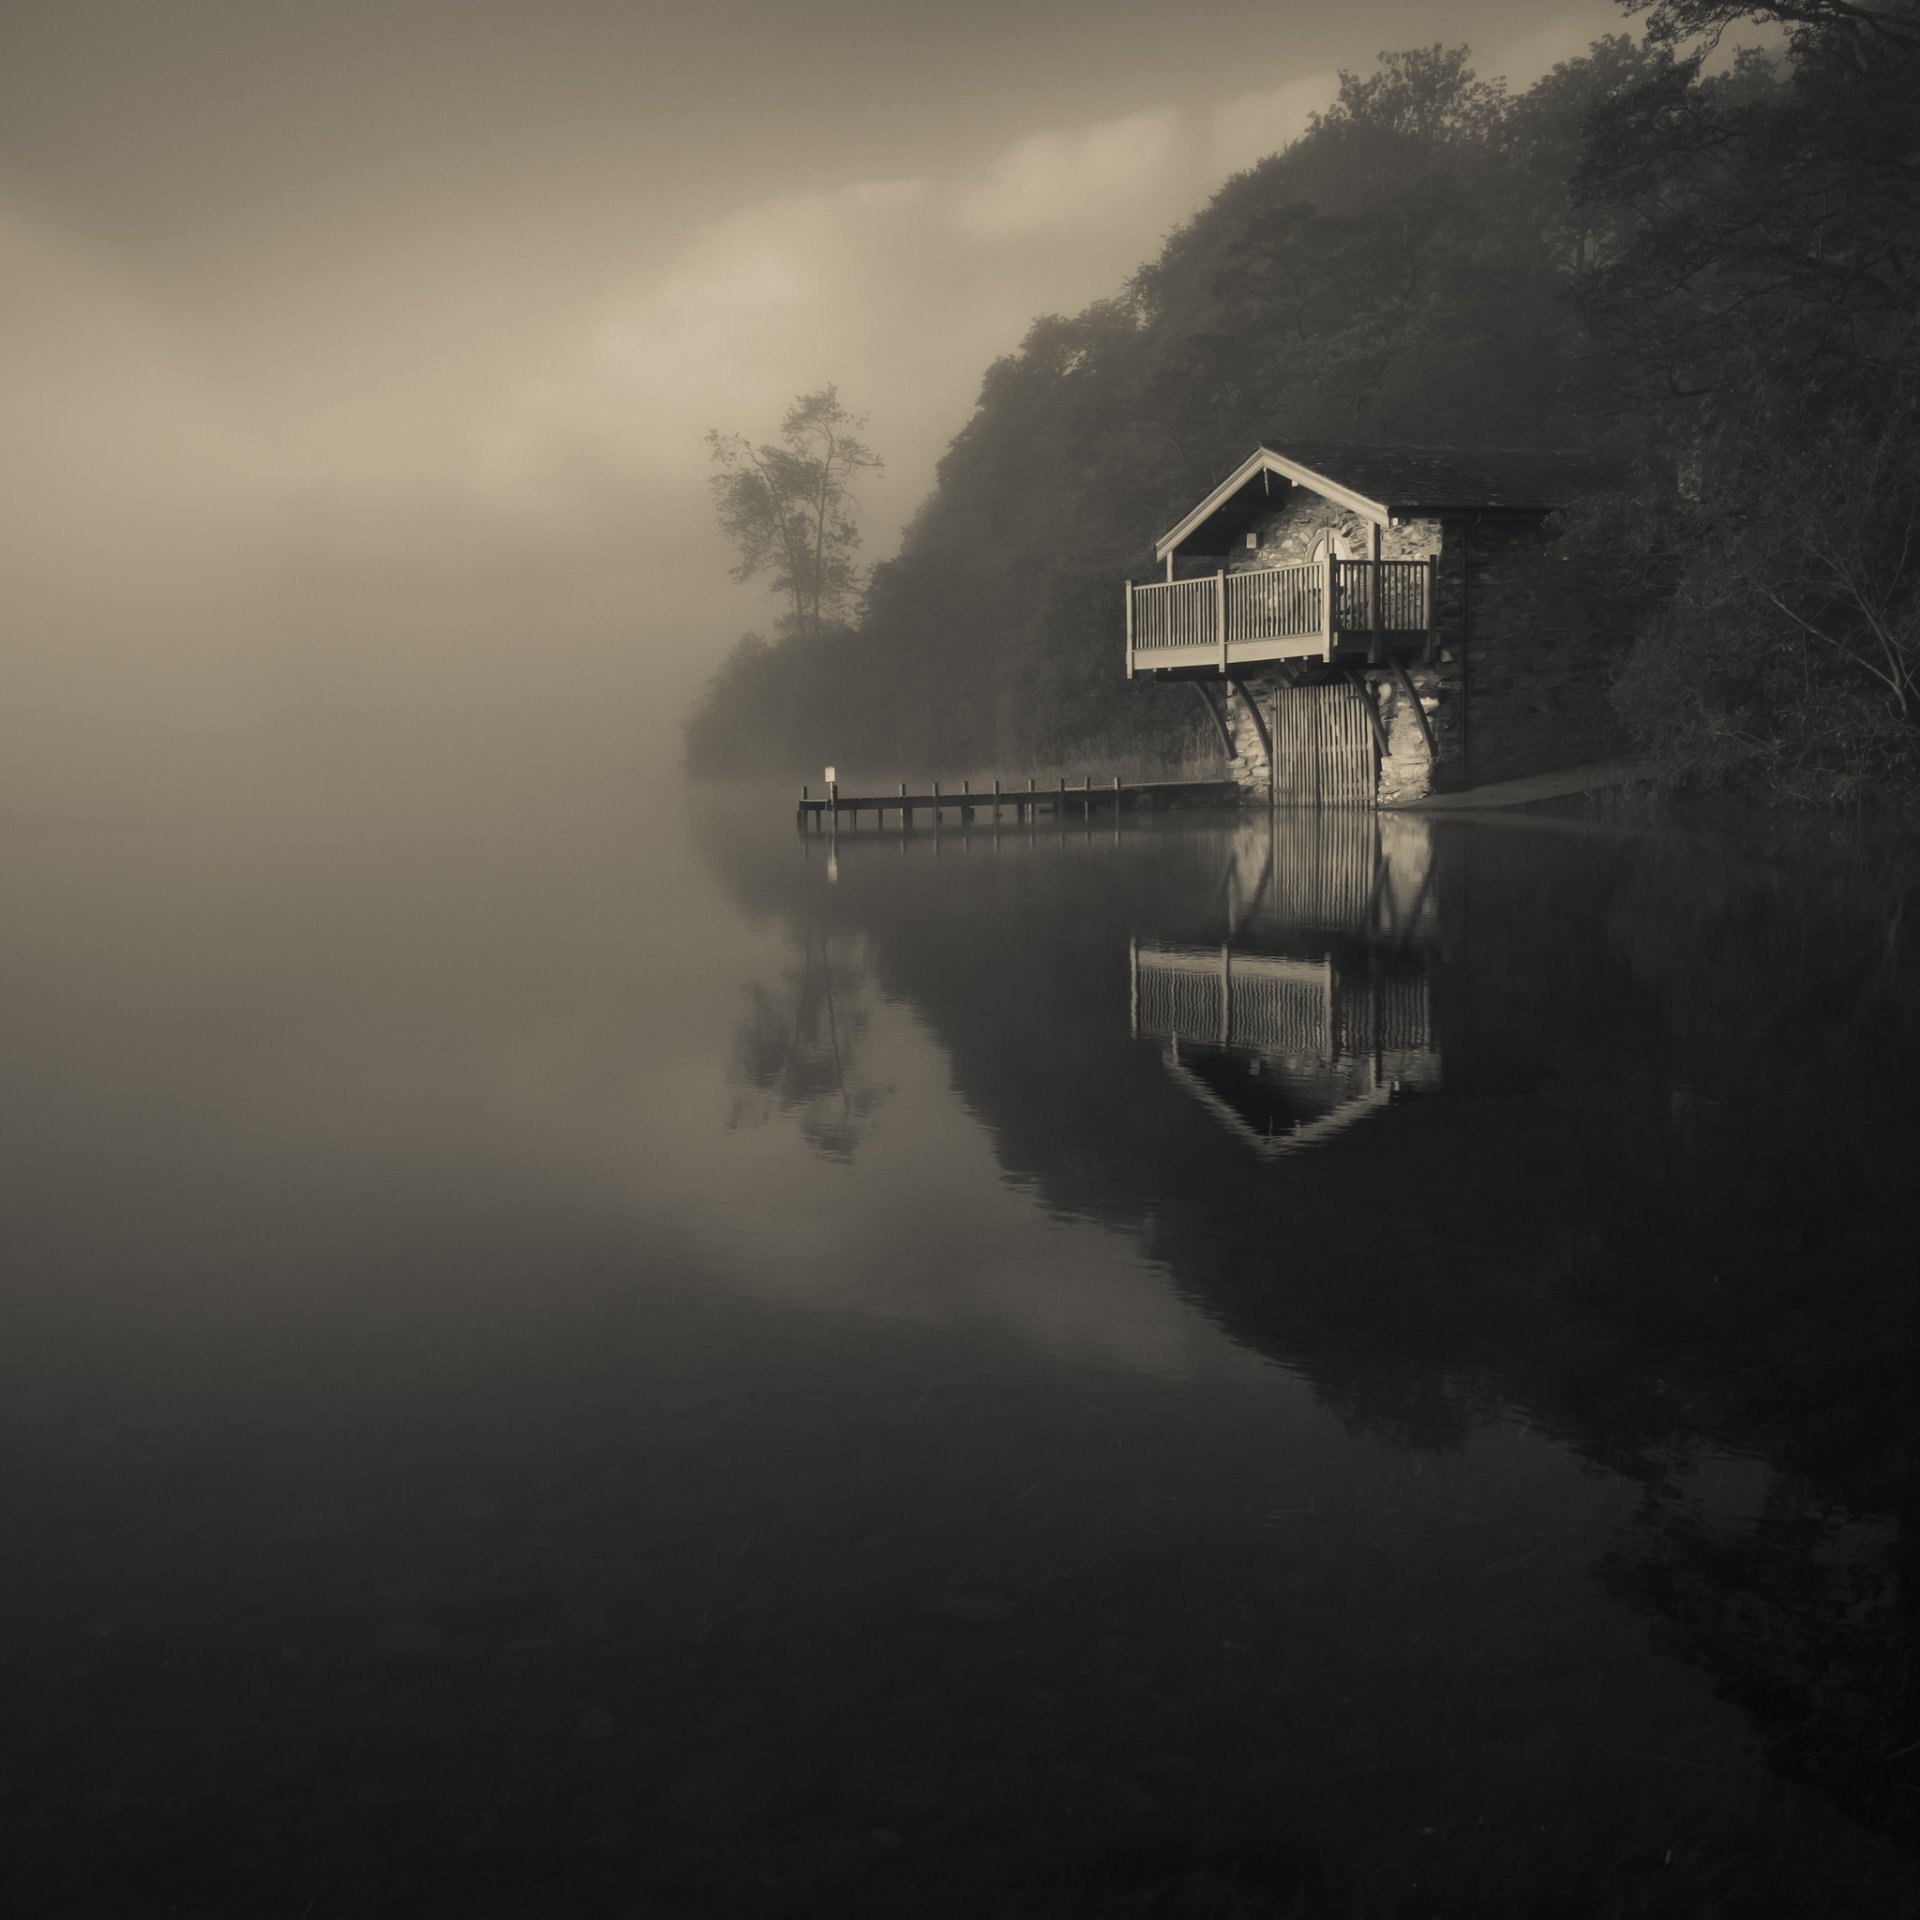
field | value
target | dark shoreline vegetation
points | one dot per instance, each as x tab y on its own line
1713	275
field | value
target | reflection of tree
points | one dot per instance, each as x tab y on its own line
1804	1616
797	1051
1788	990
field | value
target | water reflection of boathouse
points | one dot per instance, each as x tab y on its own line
1306	1004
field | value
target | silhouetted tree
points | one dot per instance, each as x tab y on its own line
789	506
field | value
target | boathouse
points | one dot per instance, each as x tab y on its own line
1372	624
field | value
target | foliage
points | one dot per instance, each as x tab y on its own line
789	507
1759	316
1770	225
1707	267
1810	21
773	703
1786	647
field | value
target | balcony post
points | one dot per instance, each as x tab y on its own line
1329	574
1374	610
1126	587
1220	614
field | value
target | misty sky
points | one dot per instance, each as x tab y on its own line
355	357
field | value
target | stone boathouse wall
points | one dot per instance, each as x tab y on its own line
1523	693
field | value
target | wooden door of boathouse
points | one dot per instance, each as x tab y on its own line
1324	752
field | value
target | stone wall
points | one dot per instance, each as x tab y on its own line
1287	534
1249	766
1526	694
1407	772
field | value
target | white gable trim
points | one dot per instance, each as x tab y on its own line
1303	1133
1265	460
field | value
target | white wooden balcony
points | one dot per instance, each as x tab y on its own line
1308	611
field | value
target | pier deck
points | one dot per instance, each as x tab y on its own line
836	811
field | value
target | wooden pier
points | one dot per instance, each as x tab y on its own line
834	811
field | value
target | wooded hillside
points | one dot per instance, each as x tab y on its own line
1709	273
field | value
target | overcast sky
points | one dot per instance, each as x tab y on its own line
355	355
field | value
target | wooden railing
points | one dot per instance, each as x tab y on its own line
1177	613
1381	596
1272	610
1275	603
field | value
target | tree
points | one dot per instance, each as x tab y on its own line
789	508
1430	95
1754	306
1896	23
1768	217
1786	652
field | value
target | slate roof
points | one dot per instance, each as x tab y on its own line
1430	479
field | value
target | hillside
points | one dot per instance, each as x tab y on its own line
1435	261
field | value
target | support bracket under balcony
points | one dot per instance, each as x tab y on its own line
1419	712
1216	713
1258	718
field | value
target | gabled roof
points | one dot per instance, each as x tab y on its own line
1398	483
1343	1109
1408	480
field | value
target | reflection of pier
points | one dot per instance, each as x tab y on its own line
1310	1004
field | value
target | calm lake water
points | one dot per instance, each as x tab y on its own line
612	1361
